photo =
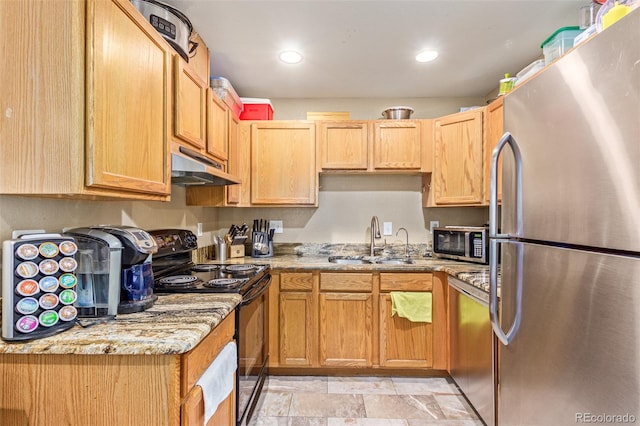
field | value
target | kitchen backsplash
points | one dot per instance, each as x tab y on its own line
346	205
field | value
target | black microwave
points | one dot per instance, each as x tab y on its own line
466	243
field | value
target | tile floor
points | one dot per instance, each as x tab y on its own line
362	401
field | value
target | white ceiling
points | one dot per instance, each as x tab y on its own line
366	48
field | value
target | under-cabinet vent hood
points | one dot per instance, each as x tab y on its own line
190	168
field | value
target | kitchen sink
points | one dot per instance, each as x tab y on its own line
395	261
348	260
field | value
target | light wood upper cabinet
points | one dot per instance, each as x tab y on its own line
217	126
199	59
239	164
126	141
344	145
494	128
370	146
396	145
283	163
83	135
458	170
236	153
427	134
190	105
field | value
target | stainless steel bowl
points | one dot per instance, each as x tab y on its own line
397	112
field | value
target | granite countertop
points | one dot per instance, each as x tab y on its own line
314	256
474	274
175	324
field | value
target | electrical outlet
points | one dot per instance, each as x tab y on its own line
276	225
199	231
433	224
388	228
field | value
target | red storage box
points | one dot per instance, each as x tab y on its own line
256	109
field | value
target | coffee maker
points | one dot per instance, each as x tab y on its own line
114	270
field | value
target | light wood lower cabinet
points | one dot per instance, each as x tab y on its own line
297	320
112	389
346	319
341	321
346	325
404	343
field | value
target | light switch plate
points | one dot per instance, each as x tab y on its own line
433	224
388	228
276	225
199	230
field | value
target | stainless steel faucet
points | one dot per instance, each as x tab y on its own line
406	247
375	233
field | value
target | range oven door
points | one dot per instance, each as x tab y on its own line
251	333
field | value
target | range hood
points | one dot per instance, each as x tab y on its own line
190	168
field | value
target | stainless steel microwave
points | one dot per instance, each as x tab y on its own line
466	243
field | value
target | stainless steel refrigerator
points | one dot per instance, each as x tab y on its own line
568	314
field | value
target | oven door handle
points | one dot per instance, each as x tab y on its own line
256	291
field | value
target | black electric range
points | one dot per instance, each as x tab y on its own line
175	272
211	278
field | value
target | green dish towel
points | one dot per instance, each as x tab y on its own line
414	306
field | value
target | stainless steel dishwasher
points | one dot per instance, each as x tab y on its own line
472	343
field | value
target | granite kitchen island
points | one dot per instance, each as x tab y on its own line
137	369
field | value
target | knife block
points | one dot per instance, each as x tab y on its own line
261	246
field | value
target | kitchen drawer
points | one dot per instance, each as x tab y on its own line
296	281
196	361
392	281
352	282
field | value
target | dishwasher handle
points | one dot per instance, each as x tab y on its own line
473	293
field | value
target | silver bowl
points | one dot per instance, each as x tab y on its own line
397	112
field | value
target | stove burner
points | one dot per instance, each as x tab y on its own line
178	281
223	283
242	268
205	267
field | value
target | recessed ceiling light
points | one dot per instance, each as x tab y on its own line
290	57
427	55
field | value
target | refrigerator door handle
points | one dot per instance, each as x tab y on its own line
493	291
506	139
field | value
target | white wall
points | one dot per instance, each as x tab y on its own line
346	206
